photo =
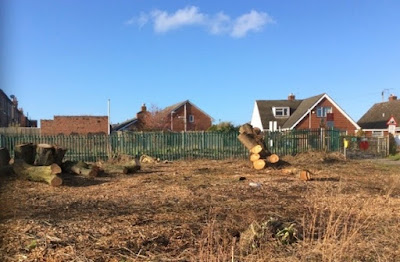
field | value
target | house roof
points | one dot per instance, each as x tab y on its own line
178	105
124	125
378	115
167	110
298	110
302	110
266	113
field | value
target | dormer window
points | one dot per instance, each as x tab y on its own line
281	111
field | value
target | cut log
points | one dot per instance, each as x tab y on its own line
148	159
259	164
254	157
26	152
289	170
48	174
274	158
4	157
59	155
305	175
80	168
257	149
246	129
248	141
45	155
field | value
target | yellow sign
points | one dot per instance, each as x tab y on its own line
346	143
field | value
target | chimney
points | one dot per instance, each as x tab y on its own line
392	97
291	97
144	108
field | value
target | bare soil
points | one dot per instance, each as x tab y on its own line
203	210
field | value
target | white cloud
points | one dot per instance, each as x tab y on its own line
140	21
253	21
164	22
217	24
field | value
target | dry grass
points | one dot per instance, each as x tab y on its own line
202	211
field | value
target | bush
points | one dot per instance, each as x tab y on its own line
392	145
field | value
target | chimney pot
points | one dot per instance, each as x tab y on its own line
392	97
291	97
144	108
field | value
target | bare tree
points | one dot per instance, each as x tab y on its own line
154	119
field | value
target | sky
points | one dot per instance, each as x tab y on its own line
69	57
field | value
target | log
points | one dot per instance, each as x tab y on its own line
254	157
246	129
25	152
289	170
60	153
257	149
248	141
259	164
80	168
305	175
148	159
45	155
48	174
273	158
4	157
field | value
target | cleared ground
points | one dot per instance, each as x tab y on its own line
207	211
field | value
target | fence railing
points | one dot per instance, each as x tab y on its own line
173	146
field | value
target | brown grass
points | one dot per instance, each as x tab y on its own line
202	211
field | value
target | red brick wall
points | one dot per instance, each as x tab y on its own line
340	121
74	124
201	121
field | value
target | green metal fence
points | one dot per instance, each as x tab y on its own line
172	146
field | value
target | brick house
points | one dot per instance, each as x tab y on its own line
11	115
314	112
81	125
382	118
183	116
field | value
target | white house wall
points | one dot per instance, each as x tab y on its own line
255	118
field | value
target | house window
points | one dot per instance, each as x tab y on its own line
281	111
191	118
377	133
322	111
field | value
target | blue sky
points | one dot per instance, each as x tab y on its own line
68	57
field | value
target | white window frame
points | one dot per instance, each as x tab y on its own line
281	111
322	111
377	133
191	118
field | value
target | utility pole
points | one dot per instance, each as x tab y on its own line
108	116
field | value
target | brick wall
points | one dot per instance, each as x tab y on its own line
340	121
201	121
74	125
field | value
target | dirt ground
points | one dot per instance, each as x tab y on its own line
207	210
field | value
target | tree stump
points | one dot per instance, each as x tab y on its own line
4	157
26	152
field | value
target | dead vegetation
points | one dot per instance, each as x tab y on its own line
207	211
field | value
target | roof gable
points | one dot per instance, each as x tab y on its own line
379	114
298	110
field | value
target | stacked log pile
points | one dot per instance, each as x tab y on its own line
44	163
253	140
